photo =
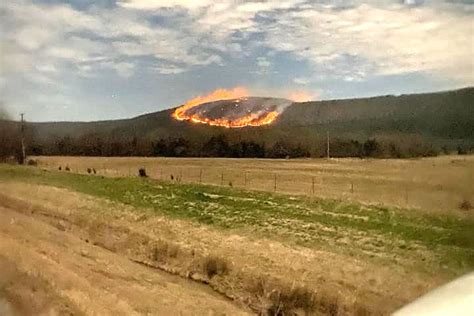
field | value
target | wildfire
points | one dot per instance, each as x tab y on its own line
251	119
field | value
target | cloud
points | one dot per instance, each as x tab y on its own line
46	44
349	43
168	69
154	5
382	40
301	81
123	69
262	62
61	37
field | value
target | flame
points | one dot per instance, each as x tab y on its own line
252	119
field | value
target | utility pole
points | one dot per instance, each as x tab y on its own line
22	130
327	151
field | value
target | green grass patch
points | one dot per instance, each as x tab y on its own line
347	227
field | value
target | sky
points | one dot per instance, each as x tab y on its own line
84	60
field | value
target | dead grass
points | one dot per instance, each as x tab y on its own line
18	286
150	242
429	183
163	250
275	297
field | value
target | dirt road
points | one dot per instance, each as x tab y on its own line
45	270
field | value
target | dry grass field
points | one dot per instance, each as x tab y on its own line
114	243
431	184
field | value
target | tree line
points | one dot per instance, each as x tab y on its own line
214	146
221	146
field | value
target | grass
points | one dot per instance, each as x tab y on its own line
162	250
431	241
434	184
282	300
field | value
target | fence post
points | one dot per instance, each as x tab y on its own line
275	183
200	176
312	184
406	197
222	178
352	187
245	179
180	175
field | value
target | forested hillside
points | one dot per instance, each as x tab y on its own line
386	126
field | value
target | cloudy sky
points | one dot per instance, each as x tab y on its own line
104	59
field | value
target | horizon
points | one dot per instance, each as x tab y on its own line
177	106
84	61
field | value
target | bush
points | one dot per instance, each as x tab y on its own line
32	162
213	265
282	299
162	250
89	170
290	299
462	150
142	173
465	205
67	168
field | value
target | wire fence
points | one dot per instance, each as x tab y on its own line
317	185
405	184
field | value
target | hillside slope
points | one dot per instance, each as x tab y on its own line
447	115
442	118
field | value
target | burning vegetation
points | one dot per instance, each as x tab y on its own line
231	108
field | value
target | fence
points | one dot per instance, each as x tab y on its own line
321	184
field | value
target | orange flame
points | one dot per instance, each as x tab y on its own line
252	119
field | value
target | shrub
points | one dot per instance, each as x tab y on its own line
288	300
142	173
32	162
465	205
89	170
67	168
213	265
282	299
60	168
163	250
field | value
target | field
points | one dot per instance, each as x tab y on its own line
227	250
433	184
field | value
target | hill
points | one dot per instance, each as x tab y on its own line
441	119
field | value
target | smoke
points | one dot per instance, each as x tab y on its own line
301	96
4	115
234	108
233	113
